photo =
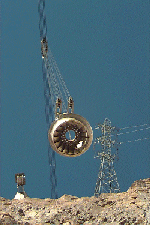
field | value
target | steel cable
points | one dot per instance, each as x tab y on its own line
49	101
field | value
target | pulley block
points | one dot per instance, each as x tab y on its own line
61	139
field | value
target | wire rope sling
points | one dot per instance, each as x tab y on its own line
69	134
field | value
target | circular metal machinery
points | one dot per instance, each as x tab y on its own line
65	145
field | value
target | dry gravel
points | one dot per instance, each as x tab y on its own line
131	207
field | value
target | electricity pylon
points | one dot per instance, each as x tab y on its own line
107	178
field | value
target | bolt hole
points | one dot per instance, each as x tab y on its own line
70	135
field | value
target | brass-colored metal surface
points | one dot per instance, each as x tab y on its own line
67	146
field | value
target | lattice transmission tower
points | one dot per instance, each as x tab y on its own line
107	179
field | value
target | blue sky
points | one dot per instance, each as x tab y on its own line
102	51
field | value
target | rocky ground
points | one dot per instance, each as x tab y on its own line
131	207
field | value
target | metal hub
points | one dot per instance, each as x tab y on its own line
70	147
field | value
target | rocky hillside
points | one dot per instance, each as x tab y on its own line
131	207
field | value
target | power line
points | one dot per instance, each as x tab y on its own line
142	125
130	141
133	131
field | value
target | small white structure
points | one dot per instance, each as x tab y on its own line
19	196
